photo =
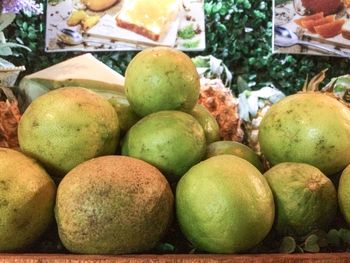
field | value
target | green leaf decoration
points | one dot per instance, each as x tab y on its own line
311	244
165	248
345	235
288	245
333	238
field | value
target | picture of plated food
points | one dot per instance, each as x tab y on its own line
93	25
318	27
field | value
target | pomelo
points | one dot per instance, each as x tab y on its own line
224	205
344	194
208	123
173	141
308	128
237	149
161	78
113	205
68	126
27	199
305	198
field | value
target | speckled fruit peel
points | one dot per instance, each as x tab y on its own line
113	205
308	128
305	198
27	199
237	149
68	126
173	141
224	205
159	79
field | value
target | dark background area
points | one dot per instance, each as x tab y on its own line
238	31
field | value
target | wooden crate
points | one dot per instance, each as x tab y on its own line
178	258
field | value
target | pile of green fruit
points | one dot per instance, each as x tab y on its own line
119	175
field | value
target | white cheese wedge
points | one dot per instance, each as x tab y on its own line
82	71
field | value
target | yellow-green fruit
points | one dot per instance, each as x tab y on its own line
308	128
172	141
113	205
208	123
68	126
344	194
224	205
235	148
305	198
161	78
27	198
126	116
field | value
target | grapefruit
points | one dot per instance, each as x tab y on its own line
68	126
160	79
173	141
305	198
27	199
113	205
344	194
308	128
224	205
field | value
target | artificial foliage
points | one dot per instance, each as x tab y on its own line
238	31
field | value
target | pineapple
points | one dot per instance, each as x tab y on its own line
253	105
9	118
220	101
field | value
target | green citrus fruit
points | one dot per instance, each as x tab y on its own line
235	148
173	141
68	126
308	128
161	78
113	205
305	198
208	122
224	205
27	198
344	194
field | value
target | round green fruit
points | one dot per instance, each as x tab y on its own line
308	128
208	123
126	116
173	141
344	194
237	149
68	126
305	198
161	78
27	199
113	205
224	205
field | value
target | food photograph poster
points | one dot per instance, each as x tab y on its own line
316	27
119	25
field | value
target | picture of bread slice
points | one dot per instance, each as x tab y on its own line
99	5
345	30
149	18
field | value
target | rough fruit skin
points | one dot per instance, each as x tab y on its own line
344	194
27	198
113	205
308	128
208	123
160	79
68	126
172	141
224	205
237	149
305	198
